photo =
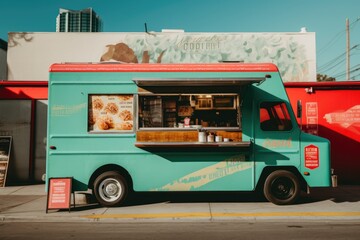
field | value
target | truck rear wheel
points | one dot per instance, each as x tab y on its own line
282	187
110	189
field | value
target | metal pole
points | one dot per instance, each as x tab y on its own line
347	50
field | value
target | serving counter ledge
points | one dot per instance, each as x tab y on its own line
193	144
232	129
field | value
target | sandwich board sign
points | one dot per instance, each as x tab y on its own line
5	149
59	193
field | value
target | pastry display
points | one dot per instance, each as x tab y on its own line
125	97
97	104
110	113
93	115
126	115
124	126
111	108
105	123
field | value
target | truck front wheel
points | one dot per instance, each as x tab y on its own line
282	187
110	189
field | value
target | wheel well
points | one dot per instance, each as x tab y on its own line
267	170
111	167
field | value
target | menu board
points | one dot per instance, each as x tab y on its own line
5	148
59	193
111	113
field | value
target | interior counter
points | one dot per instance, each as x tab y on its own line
165	135
165	138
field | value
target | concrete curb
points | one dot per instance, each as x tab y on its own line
28	204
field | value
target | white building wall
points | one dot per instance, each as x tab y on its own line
31	54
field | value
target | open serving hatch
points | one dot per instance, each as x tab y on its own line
191	85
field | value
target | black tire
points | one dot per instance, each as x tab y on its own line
282	187
110	189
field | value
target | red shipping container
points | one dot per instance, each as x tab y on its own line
332	110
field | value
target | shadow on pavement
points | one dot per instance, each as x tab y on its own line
193	197
337	195
145	198
340	194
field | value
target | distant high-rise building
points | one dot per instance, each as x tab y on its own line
85	20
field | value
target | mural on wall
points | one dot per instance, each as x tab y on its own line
15	38
286	52
349	119
293	53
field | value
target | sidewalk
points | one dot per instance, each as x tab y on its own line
28	203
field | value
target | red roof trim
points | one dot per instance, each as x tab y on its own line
322	84
24	83
33	90
149	67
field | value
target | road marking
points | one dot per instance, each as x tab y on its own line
223	214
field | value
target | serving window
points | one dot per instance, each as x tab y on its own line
191	102
189	110
111	113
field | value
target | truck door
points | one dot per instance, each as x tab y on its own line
276	135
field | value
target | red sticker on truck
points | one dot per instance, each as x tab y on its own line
311	157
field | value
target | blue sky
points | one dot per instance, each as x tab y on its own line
324	17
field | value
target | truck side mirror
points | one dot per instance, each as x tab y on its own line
299	109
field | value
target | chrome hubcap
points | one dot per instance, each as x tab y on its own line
110	189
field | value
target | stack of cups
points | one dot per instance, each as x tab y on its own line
202	136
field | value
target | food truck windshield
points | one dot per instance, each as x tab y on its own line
189	110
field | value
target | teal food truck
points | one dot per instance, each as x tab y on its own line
117	128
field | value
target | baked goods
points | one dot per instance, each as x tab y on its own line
111	113
125	97
105	123
97	104
124	126
111	108
126	115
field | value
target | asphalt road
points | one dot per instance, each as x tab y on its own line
181	230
